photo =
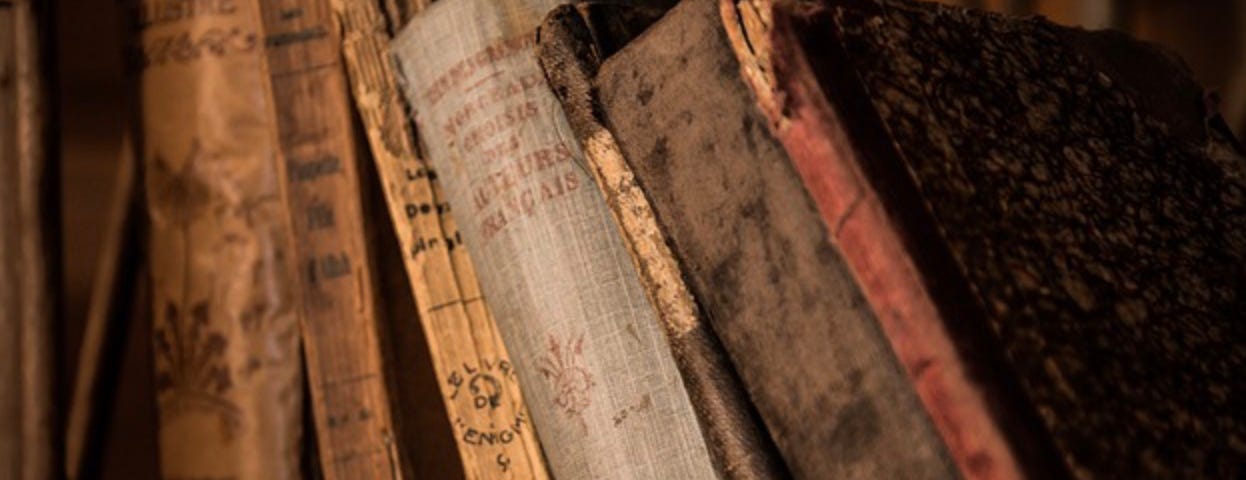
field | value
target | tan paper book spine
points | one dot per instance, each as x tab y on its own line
226	316
597	369
350	400
490	420
26	298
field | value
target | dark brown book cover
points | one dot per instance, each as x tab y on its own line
1061	196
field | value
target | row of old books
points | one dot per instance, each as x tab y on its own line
694	239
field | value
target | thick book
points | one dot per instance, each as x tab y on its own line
1036	231
319	168
28	248
596	366
476	378
228	368
668	120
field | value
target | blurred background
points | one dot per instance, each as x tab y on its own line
1209	34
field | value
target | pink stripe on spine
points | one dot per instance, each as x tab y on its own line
887	275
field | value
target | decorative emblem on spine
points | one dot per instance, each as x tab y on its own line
572	382
191	374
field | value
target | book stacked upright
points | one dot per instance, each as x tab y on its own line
489	418
229	377
28	247
741	239
597	371
1041	227
319	164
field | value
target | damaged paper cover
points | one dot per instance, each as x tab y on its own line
226	331
491	425
597	370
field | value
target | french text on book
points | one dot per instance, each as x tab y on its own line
486	130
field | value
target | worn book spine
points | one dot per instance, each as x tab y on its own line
27	250
682	154
1036	264
399	12
596	367
226	316
320	173
788	93
477	379
570	57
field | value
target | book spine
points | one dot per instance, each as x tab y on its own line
27	251
597	369
320	171
568	56
487	411
226	317
764	38
399	12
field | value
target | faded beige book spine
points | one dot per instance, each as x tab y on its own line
603	387
319	169
489	418
226	316
26	301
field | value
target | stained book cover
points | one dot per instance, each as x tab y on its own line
602	386
695	154
571	42
1047	221
1027	238
475	376
226	319
319	171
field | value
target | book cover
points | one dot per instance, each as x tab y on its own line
319	171
228	370
692	148
1045	221
596	367
489	417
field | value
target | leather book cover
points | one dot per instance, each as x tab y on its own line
992	242
1048	223
693	150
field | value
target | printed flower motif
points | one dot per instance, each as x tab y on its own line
572	382
179	197
192	375
191	356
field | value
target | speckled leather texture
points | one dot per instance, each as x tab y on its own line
758	257
1065	185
